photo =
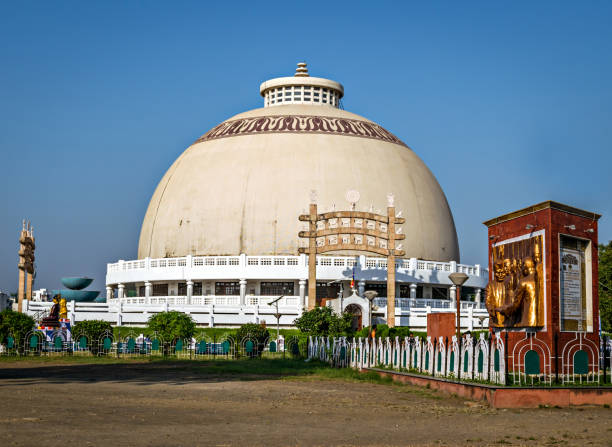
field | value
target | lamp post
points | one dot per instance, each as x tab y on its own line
370	295
458	280
277	315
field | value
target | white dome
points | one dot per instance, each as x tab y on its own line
241	187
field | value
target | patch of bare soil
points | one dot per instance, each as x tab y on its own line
165	405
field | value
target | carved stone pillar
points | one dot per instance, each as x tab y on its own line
121	288
109	293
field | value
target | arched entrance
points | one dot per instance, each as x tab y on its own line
355	310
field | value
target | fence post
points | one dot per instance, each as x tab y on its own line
556	357
460	363
433	360
491	357
506	349
605	363
446	357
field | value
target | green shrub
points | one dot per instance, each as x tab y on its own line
171	326
92	329
254	331
324	321
15	324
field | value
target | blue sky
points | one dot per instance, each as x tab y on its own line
509	104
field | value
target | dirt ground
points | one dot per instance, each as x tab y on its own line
146	404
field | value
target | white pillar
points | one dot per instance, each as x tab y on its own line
413	264
109	293
71	310
148	287
303	302
189	291
119	314
453	293
413	290
471	318
478	297
243	285
121	290
361	287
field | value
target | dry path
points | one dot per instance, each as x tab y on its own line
162	404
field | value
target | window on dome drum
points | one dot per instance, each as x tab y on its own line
160	289
325	291
227	288
380	288
277	288
439	293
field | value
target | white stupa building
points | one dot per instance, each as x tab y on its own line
220	236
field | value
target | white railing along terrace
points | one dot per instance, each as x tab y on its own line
209	300
287	301
423	303
362	263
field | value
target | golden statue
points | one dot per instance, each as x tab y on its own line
496	294
63	310
515	298
522	298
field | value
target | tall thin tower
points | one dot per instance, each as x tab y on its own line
26	263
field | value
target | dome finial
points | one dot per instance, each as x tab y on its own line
301	70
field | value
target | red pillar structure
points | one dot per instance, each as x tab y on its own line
543	290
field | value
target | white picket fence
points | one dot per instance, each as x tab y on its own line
478	359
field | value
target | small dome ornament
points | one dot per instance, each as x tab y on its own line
301	70
352	197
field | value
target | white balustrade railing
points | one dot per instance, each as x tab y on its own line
208	300
364	263
423	303
253	300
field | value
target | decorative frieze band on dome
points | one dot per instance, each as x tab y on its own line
300	124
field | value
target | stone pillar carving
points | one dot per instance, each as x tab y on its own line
478	297
109	293
413	290
243	286
361	287
453	293
121	288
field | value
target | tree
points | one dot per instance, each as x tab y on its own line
324	321
171	326
605	286
15	324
